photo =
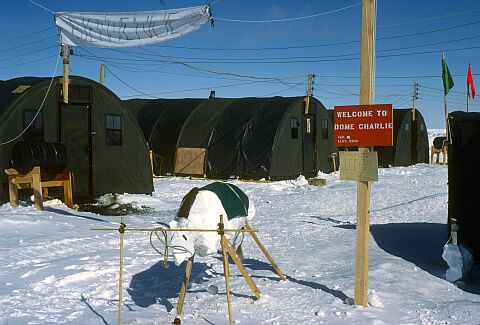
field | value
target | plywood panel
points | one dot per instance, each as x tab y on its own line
190	161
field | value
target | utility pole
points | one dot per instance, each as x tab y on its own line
66	61
367	59
414	97
310	81
102	74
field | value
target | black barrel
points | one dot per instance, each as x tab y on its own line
50	156
439	142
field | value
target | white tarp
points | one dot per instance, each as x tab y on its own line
124	29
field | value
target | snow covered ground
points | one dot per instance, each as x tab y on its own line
55	269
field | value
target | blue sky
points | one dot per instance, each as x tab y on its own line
246	48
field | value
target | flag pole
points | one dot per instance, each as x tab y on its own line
468	90
445	107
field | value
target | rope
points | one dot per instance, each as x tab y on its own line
39	109
287	19
164	242
39	5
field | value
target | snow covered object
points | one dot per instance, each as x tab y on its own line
459	260
201	209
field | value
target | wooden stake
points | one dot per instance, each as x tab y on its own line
226	269
102	74
183	290
37	188
367	59
66	61
121	230
264	251
242	269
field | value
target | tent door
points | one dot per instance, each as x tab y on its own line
75	135
309	155
414	143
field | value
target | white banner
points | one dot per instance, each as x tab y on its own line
124	29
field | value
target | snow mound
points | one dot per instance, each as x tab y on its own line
374	300
459	260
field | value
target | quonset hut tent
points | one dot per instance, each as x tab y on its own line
106	149
464	177
410	140
161	121
255	138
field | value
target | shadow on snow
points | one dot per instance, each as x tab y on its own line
159	284
421	244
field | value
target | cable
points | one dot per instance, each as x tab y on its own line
39	5
286	60
28	62
198	89
281	91
39	109
216	72
28	53
27	35
287	19
423	20
26	44
123	82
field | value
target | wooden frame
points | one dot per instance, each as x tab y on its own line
33	180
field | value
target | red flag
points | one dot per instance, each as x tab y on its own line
470	81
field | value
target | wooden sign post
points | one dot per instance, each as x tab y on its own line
367	128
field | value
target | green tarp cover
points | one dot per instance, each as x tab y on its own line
234	200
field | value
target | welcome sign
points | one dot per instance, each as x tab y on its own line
363	125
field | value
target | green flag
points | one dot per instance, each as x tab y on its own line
447	78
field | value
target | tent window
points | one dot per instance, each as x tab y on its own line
79	94
421	127
34	132
294	127
407	127
324	129
113	130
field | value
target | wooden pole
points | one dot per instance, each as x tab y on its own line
414	96
242	269
445	107
102	74
225	266
66	61
309	93
121	230
183	290
367	58
264	251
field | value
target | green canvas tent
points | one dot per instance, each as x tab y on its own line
106	149
255	138
161	121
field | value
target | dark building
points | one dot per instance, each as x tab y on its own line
248	138
464	177
106	149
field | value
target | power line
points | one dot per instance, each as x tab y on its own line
43	7
28	62
284	90
423	20
198	89
28	35
29	53
322	45
26	44
140	55
39	109
286	19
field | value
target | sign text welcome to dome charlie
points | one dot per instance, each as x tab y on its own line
363	125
